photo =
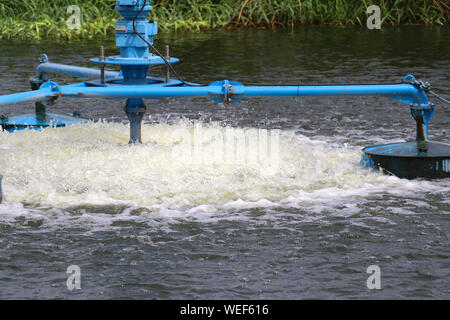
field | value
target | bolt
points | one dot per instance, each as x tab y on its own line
102	53
167	57
102	67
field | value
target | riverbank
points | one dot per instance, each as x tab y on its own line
38	19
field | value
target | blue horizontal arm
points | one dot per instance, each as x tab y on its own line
73	71
219	91
22	97
139	91
409	92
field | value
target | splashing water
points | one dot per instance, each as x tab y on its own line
93	164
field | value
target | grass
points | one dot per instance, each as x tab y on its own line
37	19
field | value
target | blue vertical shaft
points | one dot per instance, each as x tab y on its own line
135	110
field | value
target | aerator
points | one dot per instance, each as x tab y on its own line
134	37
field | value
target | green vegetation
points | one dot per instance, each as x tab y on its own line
36	19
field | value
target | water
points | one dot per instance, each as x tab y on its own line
141	224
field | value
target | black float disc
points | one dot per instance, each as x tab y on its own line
415	159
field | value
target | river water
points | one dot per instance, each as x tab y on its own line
143	224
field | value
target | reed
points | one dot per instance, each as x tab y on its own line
37	19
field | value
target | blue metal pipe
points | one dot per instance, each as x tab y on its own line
29	96
74	71
406	93
133	91
328	90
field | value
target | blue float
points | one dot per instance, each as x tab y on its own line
134	37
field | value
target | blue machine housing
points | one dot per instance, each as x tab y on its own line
134	37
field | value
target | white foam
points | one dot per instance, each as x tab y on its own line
92	164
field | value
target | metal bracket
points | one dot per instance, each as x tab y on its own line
43	58
55	90
422	114
226	91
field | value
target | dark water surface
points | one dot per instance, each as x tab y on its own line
141	225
